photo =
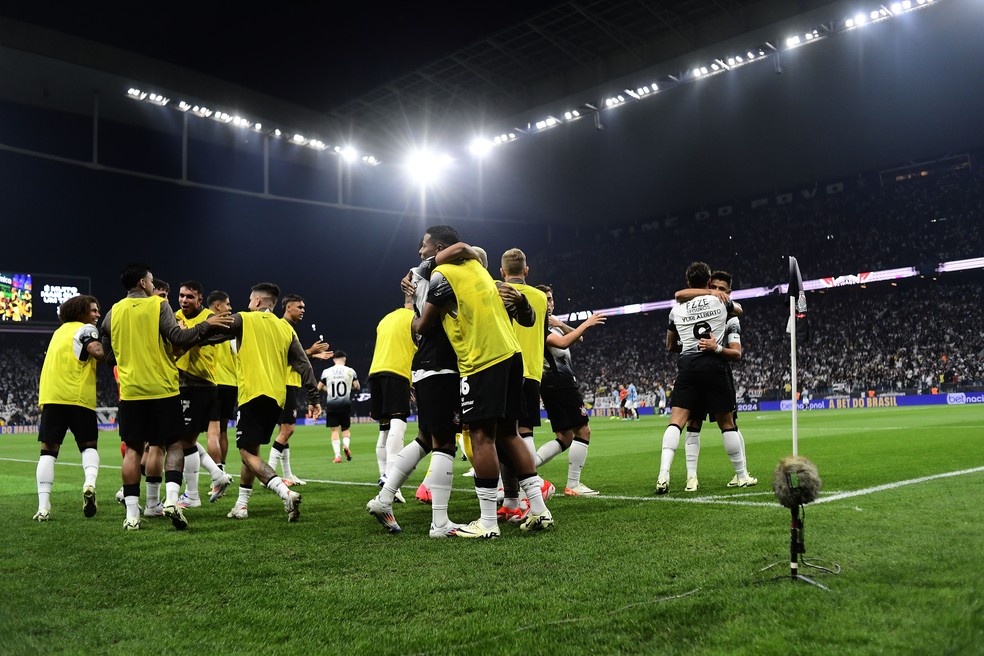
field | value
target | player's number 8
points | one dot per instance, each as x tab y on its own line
702	330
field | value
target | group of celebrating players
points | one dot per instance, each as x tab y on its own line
479	354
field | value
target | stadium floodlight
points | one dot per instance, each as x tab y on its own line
258	126
298	139
572	114
201	111
349	154
277	132
860	20
792	41
370	160
426	167
135	94
157	99
316	144
896	7
481	146
183	106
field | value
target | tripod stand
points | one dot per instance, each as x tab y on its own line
796	548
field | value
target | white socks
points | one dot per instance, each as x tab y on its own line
548	452
439	481
277	485
734	446
398	473
691	447
671	440
394	442
532	487
575	462
336	446
285	463
45	477
381	449
244	494
193	465
90	465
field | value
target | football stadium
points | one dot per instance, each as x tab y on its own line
564	327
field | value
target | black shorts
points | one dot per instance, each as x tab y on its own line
58	418
531	400
494	393
226	402
565	409
703	391
439	406
288	414
390	396
256	422
196	407
338	416
156	421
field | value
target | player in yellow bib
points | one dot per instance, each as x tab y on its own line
294	310
267	346
139	331
466	301
227	399
67	396
197	371
514	271
389	384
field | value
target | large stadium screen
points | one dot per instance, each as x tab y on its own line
34	298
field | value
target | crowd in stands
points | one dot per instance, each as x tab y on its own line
911	336
919	222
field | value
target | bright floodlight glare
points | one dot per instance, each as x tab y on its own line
481	147
860	19
874	15
896	7
425	167
907	4
349	154
849	22
731	61
792	41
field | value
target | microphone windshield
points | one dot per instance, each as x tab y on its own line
796	481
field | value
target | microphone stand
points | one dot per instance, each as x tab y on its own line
797	547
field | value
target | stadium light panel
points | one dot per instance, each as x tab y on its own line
298	139
370	160
792	41
426	168
349	154
896	7
481	147
183	106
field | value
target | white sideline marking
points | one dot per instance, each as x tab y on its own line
891	486
713	499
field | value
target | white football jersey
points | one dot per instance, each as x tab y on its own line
732	332
698	319
338	384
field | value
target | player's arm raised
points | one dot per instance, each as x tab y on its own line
564	341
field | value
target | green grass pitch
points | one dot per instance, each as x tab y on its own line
901	512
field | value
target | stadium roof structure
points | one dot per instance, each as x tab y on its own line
568	48
849	105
